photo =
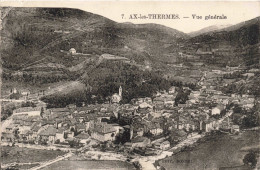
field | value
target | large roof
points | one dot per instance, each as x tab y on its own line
82	136
50	131
139	139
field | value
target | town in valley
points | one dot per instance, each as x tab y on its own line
87	100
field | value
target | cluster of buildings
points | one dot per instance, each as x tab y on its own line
156	122
142	122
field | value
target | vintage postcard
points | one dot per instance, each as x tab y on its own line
130	85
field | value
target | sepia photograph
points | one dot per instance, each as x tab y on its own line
130	85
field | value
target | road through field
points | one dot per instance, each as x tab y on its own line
59	158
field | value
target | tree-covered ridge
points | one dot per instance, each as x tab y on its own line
105	79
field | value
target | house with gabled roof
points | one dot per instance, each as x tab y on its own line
59	110
103	132
32	135
162	145
82	138
210	124
10	128
80	127
172	90
47	135
218	109
25	126
177	135
7	137
140	141
60	134
24	135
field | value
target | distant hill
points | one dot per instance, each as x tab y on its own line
32	35
244	33
212	28
237	44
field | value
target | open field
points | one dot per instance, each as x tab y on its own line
67	165
24	166
7	85
221	151
26	155
65	88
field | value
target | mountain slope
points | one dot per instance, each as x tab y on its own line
37	43
30	34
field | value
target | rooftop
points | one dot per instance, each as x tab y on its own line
50	131
139	139
82	136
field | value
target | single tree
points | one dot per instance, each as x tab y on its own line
42	112
250	159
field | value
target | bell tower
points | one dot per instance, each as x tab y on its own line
120	91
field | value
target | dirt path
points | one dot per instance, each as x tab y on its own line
59	158
16	163
42	164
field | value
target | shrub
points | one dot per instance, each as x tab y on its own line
57	141
250	159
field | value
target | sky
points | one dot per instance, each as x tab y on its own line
235	11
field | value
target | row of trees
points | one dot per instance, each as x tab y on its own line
62	100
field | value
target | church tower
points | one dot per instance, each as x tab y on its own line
120	91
